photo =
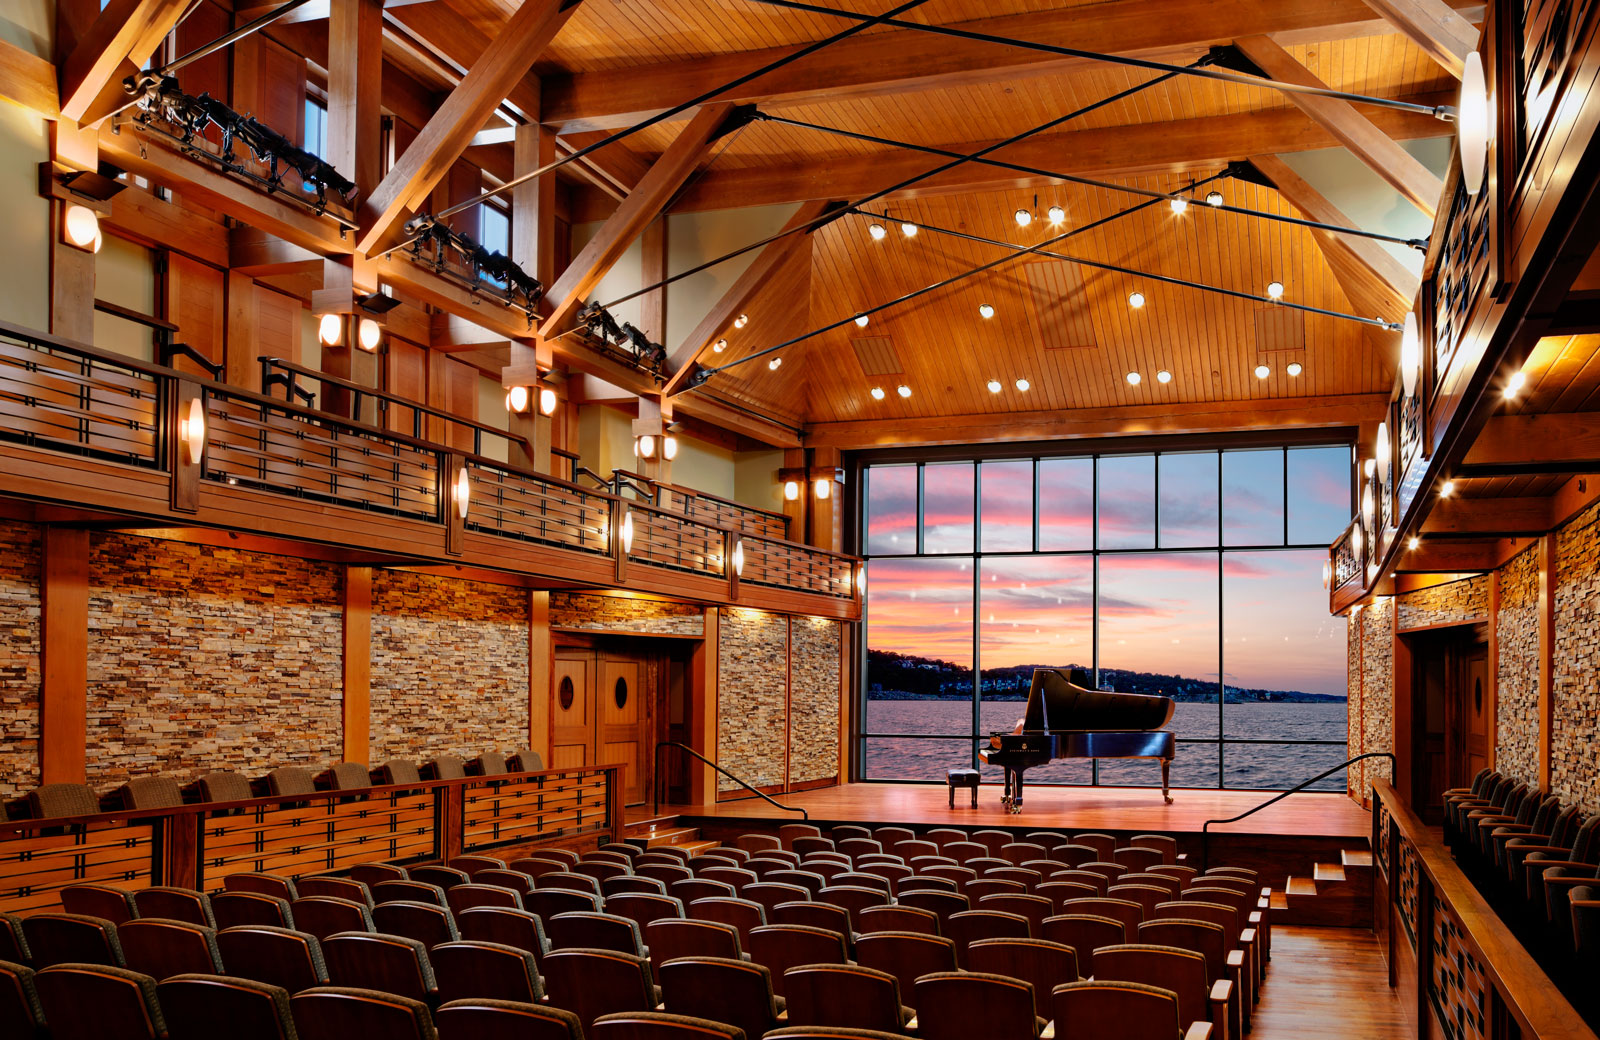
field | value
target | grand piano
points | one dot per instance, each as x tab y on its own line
1067	719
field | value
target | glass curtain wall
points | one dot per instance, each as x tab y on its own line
1191	574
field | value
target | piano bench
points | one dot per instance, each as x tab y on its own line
967	778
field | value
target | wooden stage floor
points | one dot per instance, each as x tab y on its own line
1049	808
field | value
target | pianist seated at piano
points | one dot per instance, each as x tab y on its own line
1067	719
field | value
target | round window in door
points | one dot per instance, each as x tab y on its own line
564	693
621	692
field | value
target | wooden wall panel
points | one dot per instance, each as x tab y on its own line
277	325
64	639
196	303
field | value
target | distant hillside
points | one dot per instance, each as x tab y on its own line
906	677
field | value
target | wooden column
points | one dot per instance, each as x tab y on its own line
1547	639
1492	706
827	516
541	657
847	637
1401	711
533	204
653	268
794	460
241	346
703	710
71	284
64	653
655	413
355	88
357	615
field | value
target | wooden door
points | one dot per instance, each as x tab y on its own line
621	737
572	714
1476	726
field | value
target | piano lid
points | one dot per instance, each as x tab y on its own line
1059	702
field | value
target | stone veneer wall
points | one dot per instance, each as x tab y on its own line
205	658
814	731
1574	762
1466	600
624	614
1517	673
20	555
752	697
449	667
1371	686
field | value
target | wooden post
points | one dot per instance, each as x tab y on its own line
180	865
703	710
455	525
185	488
541	656
357	615
240	342
1547	625
729	542
616	811
355	91
847	633
452	820
71	284
1492	702
64	650
653	268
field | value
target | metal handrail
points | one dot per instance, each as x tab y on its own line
1205	828
673	743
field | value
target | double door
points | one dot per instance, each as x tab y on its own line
601	712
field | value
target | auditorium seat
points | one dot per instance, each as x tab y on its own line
1184	972
1539	860
943	904
965	851
548	902
289	781
848	995
434	874
428	924
515	880
51	801
161	948
1146	896
323	916
893	873
150	792
1120	1011
770	893
849	830
1514	849
223	786
1168	884
276	956
1034	908
20	1014
960	875
738	857
237	908
943	836
519	928
906	955
1182	874
621	848
958	1005
1124	910
927	883
444	767
591	983
586	930
13	943
666	873
861	879
489	763
1233	928
788	832
107	901
370	874
525	762
812	914
854	847
780	947
742	914
969	926
1165	844
922	863
99	1002
472	864
669	938
408	891
1019	852
566	856
398	771
729	990
827	869
738	877
993	886
387	963
600	870
757	842
569	880
668	852
339	887
629	883
505	1020
1085	933
700	888
1137	857
71	939
643	907
263	883
464	897
343	1013
1058	892
910	848
176	904
890	918
488	971
1211	941
852	898
602	856
346	776
1042	964
200	1006
662	1025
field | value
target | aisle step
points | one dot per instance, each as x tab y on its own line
1356	858
1328	872
1300	887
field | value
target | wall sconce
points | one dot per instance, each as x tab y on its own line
1369	467
669	447
192	430
1383	452
1327	573
791	490
80	227
1356	539
1372	573
824	487
626	532
517	400
369	335
738	556
1367	505
861	578
463	492
330	329
547	401
1410	355
1474	124
644	446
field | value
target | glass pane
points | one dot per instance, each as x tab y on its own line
1194	766
1007	506
1035	611
947	507
1319	494
1066	504
1252	497
1128	502
1283	656
1275	767
1188	515
919	646
888	758
891	510
1003	716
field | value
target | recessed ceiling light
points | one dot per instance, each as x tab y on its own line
1295	368
1163	376
876	231
862	319
986	309
1414	542
1275	290
994	386
903	390
1179	204
720	346
1136	299
877	393
1213	198
1023	217
1262	371
1057	215
908	229
1133	378
1514	384
741	321
1023	384
774	363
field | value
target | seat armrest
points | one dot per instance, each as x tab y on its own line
1198	1031
1255	918
1048	1032
1517	829
1221	991
1248	935
1236	959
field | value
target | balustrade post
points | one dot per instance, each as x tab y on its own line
616	814
185	401
1425	926
181	855
619	552
452	821
454	499
730	540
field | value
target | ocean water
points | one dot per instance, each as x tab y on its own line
1268	766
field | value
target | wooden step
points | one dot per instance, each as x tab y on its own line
666	836
695	848
1359	859
1328	872
1300	888
1280	900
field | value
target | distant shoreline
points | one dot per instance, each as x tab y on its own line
1282	698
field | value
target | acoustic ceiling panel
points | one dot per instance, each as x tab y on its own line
1060	305
877	356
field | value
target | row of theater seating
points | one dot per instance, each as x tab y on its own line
1535	858
721	945
163	792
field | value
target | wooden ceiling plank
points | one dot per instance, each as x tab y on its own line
642	205
1352	128
1435	27
506	60
117	44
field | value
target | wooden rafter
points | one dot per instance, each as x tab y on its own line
681	362
118	43
1434	26
452	43
505	61
1366	140
1563	442
642	205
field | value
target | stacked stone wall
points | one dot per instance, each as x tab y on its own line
19	657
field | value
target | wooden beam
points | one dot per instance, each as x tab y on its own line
357	657
533	204
1460	516
653	269
1436	556
454	45
120	41
355	91
64	654
1205	417
1547	644
1382	279
1175	146
899	60
614	169
505	61
641	207
1365	138
1555	443
29	80
681	362
1435	27
257	253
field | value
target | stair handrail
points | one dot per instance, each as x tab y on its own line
805	815
1205	828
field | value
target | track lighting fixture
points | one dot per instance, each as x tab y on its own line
1213	198
1058	216
1023	217
719	346
877	393
908	229
1180	205
877	232
1136	299
862	320
1275	290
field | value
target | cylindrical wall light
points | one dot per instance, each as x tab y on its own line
738	556
861	578
547	401
463	492
517	399
626	532
330	329
1410	354
1327	573
791	490
824	487
192	430
1383	452
1474	124
80	227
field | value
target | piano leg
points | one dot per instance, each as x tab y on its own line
1166	768
1014	804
